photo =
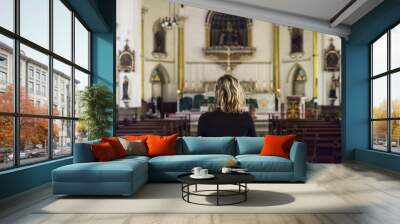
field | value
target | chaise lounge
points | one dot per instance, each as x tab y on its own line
125	176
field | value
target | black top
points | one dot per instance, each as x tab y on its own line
219	124
228	178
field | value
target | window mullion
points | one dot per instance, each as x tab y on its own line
50	81
389	101
73	81
16	85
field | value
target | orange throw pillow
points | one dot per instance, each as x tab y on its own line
161	145
136	137
116	145
277	145
103	152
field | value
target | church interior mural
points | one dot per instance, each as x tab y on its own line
171	55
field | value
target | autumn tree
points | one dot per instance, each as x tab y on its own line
380	127
33	131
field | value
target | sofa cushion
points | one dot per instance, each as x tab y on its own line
134	147
112	171
277	145
257	163
185	163
116	145
207	145
249	145
161	145
103	152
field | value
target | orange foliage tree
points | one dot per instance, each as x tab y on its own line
380	127
33	131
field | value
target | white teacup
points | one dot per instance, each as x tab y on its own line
226	170
196	171
203	172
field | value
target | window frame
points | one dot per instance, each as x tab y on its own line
388	74
16	114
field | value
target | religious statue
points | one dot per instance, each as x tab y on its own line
296	41
159	41
230	36
125	89
335	82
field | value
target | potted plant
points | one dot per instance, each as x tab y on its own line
96	103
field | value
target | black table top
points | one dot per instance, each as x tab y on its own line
220	178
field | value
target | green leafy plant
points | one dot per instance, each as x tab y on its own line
96	102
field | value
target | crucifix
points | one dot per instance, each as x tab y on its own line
228	69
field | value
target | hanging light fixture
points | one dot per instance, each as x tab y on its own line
171	20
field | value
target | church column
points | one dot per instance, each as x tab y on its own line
144	10
181	56
315	64
276	60
250	35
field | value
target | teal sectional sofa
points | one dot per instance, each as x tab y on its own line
125	176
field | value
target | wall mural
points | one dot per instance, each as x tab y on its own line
228	30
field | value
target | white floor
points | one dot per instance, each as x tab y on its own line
376	189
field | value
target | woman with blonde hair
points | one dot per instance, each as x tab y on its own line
229	119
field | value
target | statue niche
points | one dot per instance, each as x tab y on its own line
298	80
159	40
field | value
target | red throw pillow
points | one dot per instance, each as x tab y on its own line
103	152
161	145
136	137
116	145
275	145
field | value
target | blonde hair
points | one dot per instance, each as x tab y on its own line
229	95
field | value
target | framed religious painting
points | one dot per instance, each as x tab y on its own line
332	58
126	59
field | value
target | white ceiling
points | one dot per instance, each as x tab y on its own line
313	15
321	9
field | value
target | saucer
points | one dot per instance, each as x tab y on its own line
208	176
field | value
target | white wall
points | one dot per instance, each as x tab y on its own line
157	9
128	27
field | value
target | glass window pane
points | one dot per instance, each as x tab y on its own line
7	14
81	132
81	45
395	47
62	89
395	94
379	135
81	81
379	97
34	96
35	21
6	142
395	135
6	74
62	138
379	56
62	29
33	139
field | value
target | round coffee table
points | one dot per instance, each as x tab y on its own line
238	179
